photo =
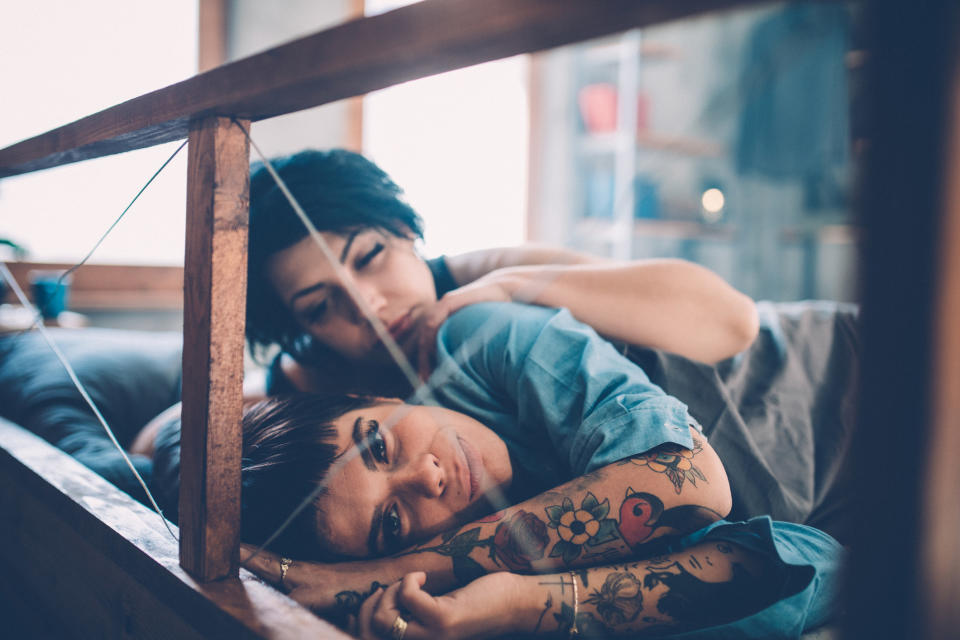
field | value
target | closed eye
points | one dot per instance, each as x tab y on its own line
316	313
366	258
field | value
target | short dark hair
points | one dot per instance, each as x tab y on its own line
340	192
289	444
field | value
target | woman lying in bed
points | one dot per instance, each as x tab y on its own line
296	300
607	476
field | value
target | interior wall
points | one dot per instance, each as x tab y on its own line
253	26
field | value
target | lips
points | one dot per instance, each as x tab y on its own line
401	326
474	466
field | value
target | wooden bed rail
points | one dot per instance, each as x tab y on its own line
90	561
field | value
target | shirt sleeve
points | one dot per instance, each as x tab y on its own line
810	561
443	281
595	406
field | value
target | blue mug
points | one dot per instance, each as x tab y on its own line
50	294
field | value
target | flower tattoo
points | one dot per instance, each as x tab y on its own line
619	600
578	526
588	525
674	461
520	540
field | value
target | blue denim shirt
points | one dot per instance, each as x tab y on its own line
562	398
810	560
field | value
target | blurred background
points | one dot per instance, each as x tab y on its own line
730	139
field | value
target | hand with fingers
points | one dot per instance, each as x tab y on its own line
405	611
324	588
489	288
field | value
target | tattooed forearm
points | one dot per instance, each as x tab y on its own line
594	519
704	586
570	535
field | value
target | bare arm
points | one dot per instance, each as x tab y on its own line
668	304
708	584
605	516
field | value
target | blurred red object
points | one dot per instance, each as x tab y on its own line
598	108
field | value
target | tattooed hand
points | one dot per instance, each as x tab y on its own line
484	608
331	589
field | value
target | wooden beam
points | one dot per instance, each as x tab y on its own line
215	281
939	584
103	566
348	60
900	202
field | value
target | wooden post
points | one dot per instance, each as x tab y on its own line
215	280
939	584
904	467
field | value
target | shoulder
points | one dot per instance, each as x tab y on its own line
490	320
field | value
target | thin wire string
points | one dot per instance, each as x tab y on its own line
120	217
38	323
423	392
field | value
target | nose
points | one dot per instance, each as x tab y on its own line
370	294
423	476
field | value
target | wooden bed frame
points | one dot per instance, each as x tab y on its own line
911	360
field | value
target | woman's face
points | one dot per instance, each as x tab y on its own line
391	277
407	473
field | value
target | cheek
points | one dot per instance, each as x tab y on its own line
407	276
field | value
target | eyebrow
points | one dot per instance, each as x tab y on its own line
320	285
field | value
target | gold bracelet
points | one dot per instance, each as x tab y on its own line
573	627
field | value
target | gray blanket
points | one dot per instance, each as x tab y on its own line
780	415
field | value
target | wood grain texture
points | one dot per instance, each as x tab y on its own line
215	285
105	566
348	60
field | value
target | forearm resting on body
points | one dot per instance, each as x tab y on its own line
667	304
708	584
